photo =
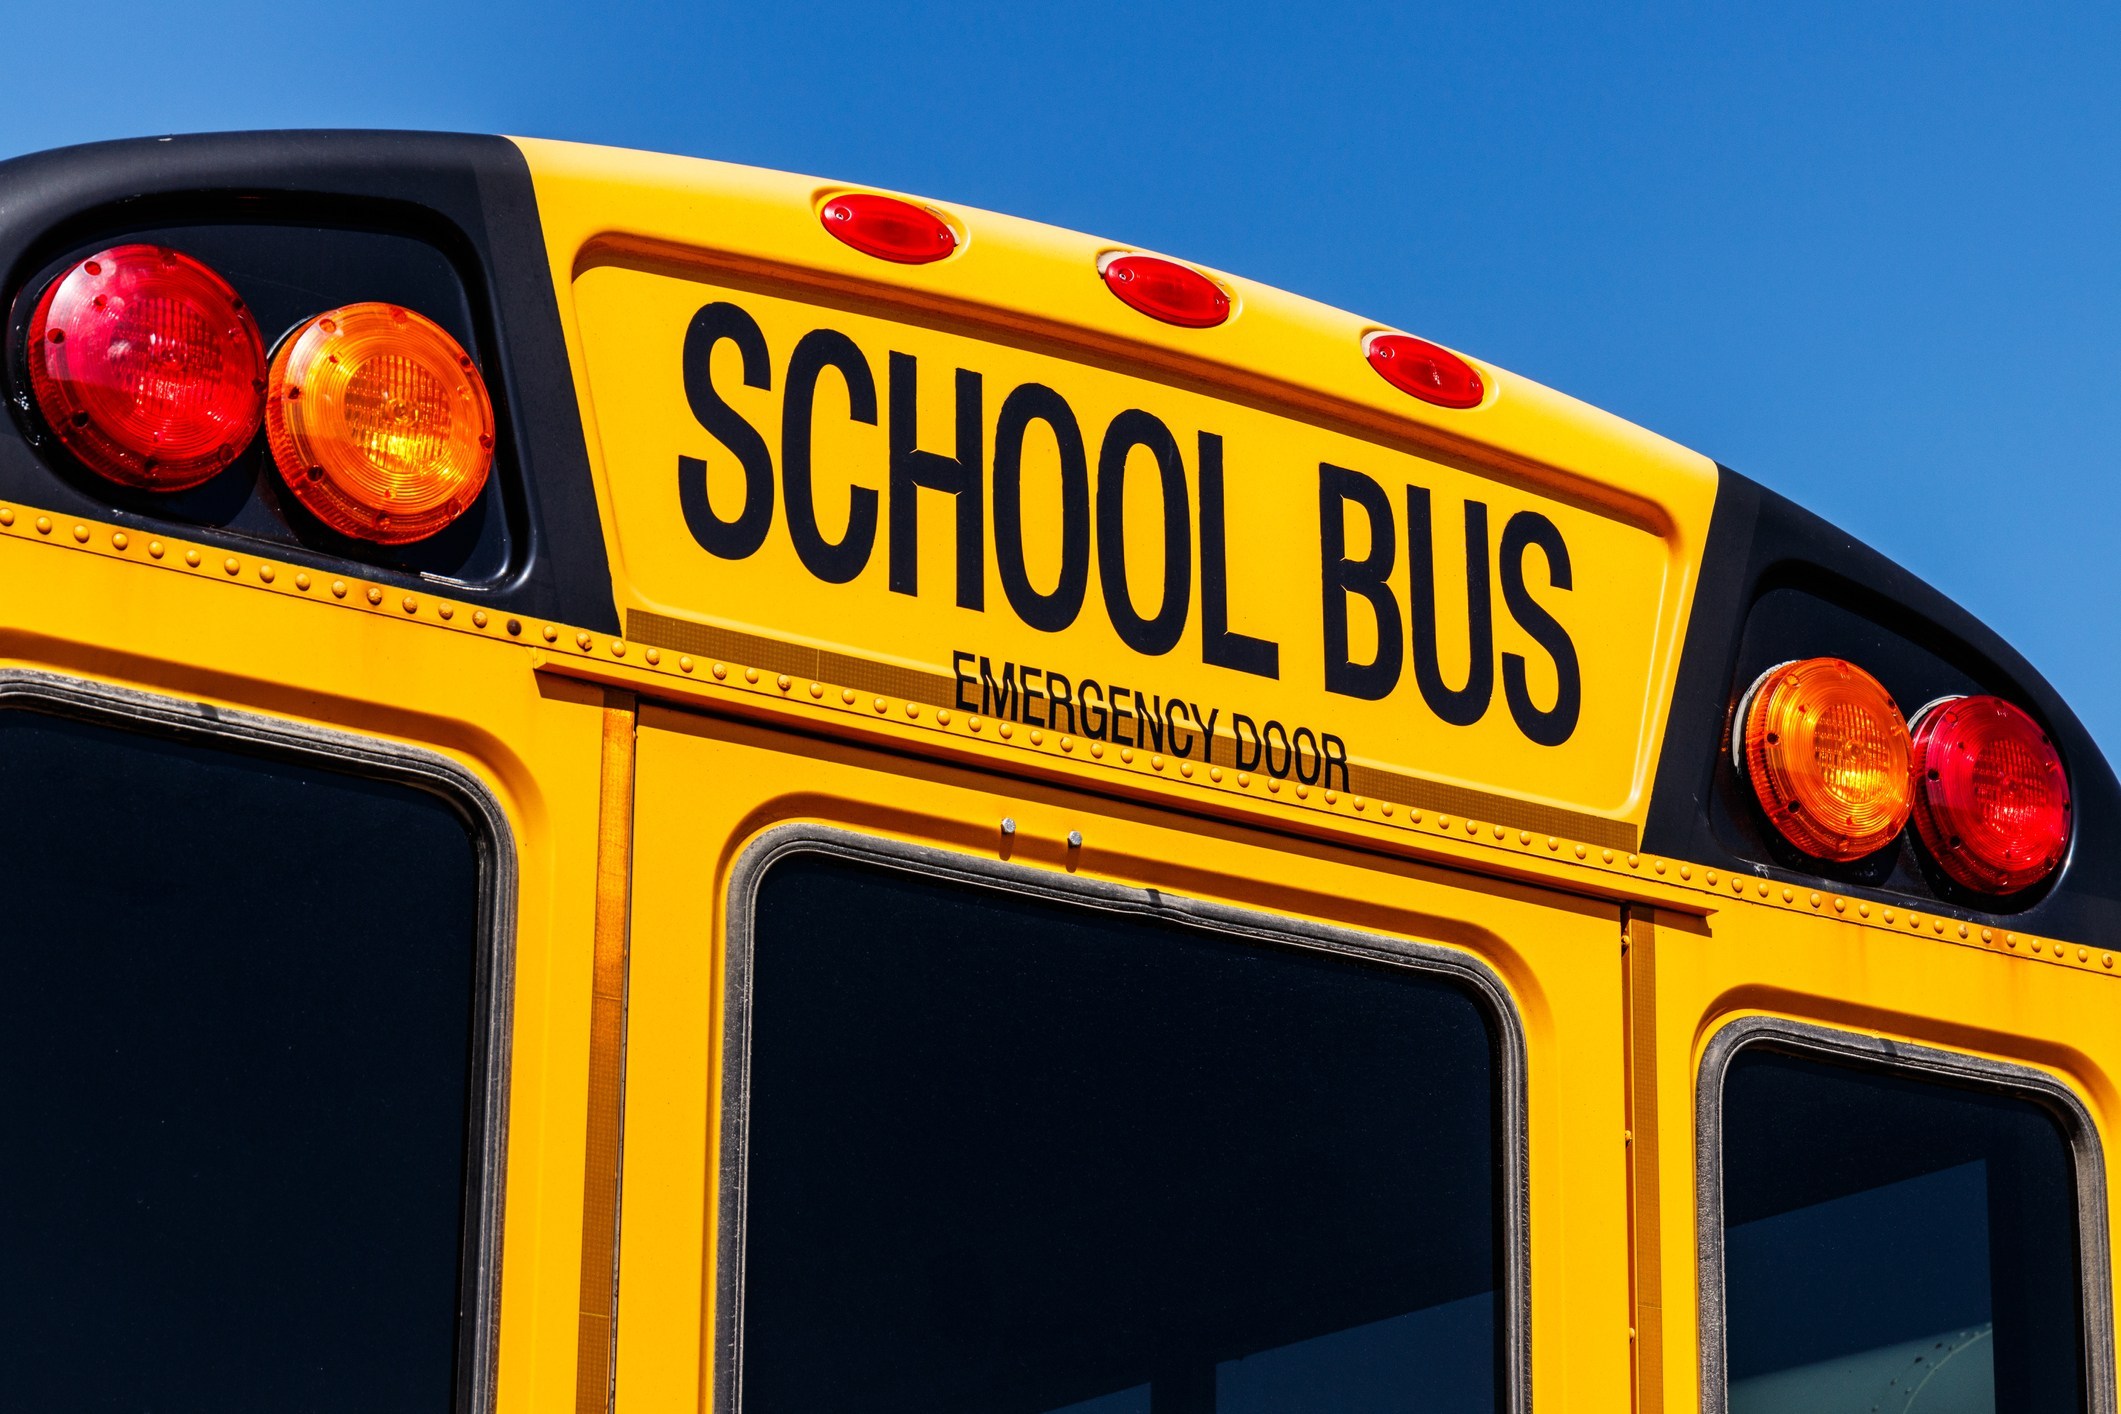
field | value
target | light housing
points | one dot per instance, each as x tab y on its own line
888	228
1827	754
379	422
1992	802
1424	370
1166	290
147	366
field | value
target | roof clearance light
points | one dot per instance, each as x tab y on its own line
1164	289
888	228
1827	753
1991	796
1428	371
379	422
148	367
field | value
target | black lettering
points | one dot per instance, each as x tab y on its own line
997	699
1268	735
1048	613
962	476
1369	577
1154	721
1175	715
1218	645
1033	694
1462	706
1158	634
959	660
1057	693
1207	733
1336	754
1095	717
834	563
1314	760
1245	742
1555	725
727	539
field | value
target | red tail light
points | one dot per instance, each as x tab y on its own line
888	228
1164	289
148	367
1991	796
1428	371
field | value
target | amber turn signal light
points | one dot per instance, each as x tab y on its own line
1826	751
379	422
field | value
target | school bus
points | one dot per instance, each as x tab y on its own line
634	784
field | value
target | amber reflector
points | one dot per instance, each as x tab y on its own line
1991	797
147	367
1827	752
379	422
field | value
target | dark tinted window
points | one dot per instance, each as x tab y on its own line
235	1044
1895	1243
1008	1154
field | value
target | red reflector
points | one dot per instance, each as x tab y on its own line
1164	289
1433	374
1991	796
148	367
889	229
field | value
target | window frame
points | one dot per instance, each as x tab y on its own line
493	996
1808	1040
780	842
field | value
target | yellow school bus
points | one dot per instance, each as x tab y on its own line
634	784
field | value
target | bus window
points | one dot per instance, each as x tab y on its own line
1895	1241
237	1050
1009	1152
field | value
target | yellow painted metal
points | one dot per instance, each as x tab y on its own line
640	244
788	716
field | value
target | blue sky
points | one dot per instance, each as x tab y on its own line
1865	254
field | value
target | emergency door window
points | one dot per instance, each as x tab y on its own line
1896	1242
1007	1153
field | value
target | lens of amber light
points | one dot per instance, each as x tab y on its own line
1991	796
379	422
1827	753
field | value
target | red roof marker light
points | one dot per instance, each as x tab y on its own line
888	228
1991	795
1427	371
148	367
1166	290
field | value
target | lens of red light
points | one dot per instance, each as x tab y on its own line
1991	796
1166	290
147	367
888	228
1427	371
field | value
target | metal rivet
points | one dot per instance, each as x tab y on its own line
1303	792
1244	780
154	547
1817	900
1005	730
1605	856
302	583
1126	753
942	715
1582	852
1274	785
44	527
685	664
1075	839
1763	888
1524	836
1185	768
1708	878
231	565
817	689
2106	959
1686	871
119	540
447	611
1331	798
478	616
913	709
1472	827
780	681
1841	905
2083	955
1385	809
7	515
1887	915
1553	842
1634	861
1215	773
514	627
1443	822
1067	743
1413	817
338	589
1939	925
1863	910
581	640
847	696
720	670
880	704
654	656
1988	935
1500	832
976	723
550	633
81	534
1358	802
1097	749
375	596
1788	896
618	647
1008	825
